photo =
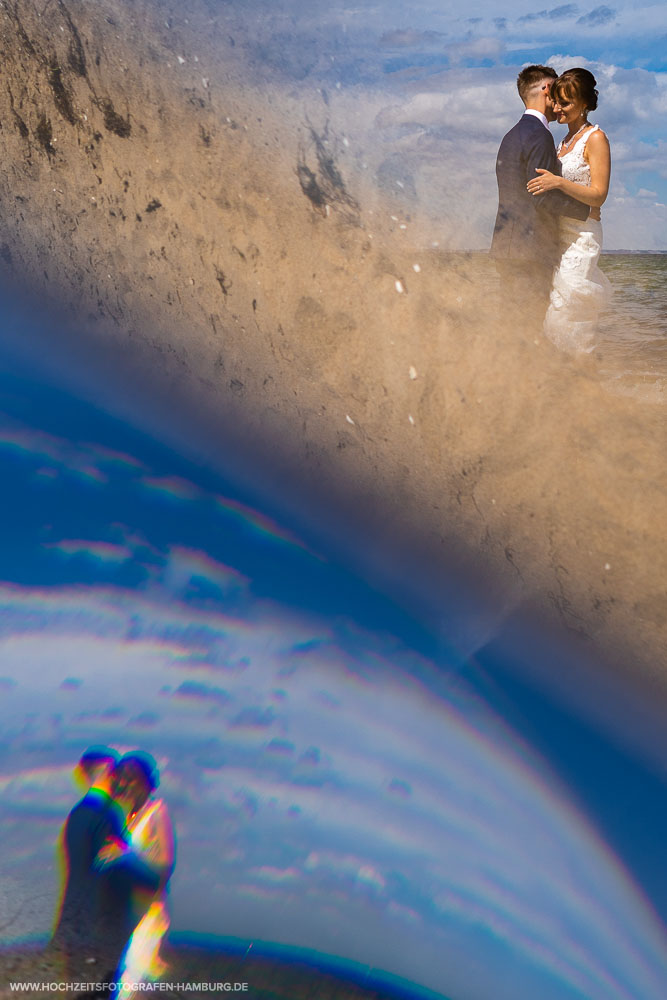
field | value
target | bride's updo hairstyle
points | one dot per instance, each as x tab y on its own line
576	84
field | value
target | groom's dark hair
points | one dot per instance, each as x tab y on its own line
532	75
95	757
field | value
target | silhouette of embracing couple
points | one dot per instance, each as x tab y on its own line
118	855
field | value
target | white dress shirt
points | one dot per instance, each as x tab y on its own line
538	114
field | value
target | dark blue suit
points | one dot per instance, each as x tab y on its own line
527	225
80	926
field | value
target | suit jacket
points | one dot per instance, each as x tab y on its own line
527	225
88	825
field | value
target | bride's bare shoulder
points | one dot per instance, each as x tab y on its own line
598	138
597	144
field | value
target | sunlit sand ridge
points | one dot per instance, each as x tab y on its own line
232	231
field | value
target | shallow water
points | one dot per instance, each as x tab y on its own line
633	329
631	356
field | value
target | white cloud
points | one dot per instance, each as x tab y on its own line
103	552
486	47
186	568
484	844
446	133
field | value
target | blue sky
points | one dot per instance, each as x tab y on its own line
625	46
462	97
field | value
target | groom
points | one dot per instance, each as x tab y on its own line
525	238
79	932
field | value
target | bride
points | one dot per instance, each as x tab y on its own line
138	865
579	287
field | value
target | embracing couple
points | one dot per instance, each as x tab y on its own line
548	236
118	854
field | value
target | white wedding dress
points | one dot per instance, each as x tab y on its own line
579	289
151	838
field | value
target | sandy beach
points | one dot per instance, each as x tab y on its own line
225	229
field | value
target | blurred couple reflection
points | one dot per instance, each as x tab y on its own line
118	856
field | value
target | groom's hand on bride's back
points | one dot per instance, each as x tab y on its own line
111	851
545	181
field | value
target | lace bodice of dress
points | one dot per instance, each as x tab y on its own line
573	164
580	288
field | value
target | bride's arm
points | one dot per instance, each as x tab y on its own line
594	194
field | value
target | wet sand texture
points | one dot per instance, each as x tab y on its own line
211	212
